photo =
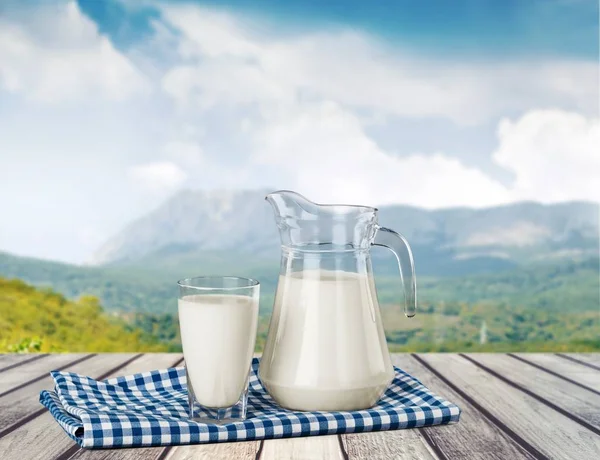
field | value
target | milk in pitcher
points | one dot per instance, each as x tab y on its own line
331	350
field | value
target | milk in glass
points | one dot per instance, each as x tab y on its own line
218	334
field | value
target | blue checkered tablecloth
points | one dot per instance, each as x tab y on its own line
149	409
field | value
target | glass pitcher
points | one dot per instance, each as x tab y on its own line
326	347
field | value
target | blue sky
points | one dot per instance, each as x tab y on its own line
108	108
476	27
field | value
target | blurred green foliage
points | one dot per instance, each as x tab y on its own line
535	308
26	345
41	320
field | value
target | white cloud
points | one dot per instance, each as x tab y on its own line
234	61
60	55
158	177
323	151
554	155
297	98
185	152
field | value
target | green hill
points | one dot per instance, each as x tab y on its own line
150	288
537	307
565	286
42	320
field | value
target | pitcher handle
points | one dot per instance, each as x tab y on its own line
399	246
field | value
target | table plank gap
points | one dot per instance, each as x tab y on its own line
521	387
21	374
479	434
551	372
69	453
119	367
17	360
260	450
592	358
575	371
579	361
433	445
165	451
535	422
342	447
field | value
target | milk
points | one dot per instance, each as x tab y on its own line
218	334
329	350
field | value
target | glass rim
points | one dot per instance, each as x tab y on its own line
188	283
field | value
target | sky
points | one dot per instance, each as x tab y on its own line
109	108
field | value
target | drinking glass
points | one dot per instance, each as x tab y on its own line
218	316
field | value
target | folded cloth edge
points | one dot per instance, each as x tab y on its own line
71	425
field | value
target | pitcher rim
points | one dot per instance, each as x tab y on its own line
328	205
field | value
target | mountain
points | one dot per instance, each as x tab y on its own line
239	224
196	220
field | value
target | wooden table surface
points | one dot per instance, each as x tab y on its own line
515	406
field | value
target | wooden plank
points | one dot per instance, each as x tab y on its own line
149	362
147	453
313	447
52	442
243	450
10	360
382	445
476	436
581	403
591	359
12	357
36	370
528	362
549	432
574	371
25	401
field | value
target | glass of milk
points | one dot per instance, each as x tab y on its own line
218	317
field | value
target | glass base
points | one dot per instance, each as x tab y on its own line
217	415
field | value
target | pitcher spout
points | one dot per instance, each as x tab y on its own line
290	204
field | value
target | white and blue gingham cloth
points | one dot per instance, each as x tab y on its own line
150	409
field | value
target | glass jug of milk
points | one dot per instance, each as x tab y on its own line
326	347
